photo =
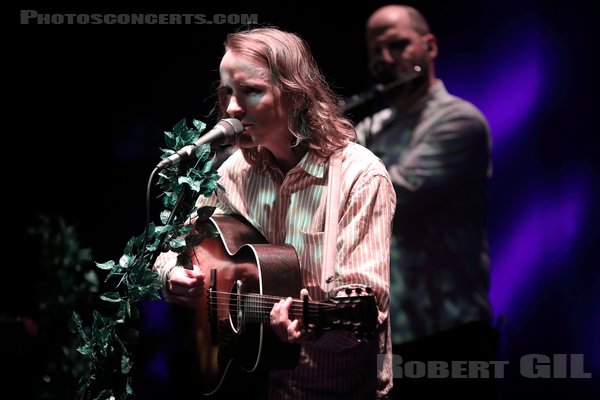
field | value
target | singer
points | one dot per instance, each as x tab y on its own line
437	150
299	179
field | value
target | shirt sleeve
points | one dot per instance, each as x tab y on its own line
454	150
364	238
363	259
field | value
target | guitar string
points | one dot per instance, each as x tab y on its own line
259	312
260	300
264	309
260	308
261	305
277	298
294	313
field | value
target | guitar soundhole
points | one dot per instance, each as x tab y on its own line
236	307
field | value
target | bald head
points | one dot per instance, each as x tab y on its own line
398	14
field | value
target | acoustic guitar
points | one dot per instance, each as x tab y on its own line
245	276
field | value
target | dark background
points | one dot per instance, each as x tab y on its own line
87	107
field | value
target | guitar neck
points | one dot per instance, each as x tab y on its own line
257	308
356	312
353	313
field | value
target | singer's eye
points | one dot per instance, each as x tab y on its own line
252	90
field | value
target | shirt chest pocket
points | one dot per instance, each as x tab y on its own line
311	261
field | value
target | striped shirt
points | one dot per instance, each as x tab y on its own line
290	209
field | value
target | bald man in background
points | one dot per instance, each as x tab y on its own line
437	149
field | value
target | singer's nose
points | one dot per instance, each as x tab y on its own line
234	108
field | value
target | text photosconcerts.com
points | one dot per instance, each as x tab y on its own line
34	17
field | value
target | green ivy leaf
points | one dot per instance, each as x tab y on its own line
106	265
76	324
200	126
86	350
112	297
104	395
177	244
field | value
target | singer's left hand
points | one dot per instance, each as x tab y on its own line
286	329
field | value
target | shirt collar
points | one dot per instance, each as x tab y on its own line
311	163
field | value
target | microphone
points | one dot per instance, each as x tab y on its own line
370	94
225	131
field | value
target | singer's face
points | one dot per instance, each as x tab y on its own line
256	102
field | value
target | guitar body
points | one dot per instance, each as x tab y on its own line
228	338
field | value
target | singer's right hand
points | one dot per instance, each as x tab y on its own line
186	286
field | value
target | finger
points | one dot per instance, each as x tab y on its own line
293	332
275	313
186	280
196	272
304	293
284	307
277	324
178	275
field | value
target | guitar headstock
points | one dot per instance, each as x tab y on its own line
353	309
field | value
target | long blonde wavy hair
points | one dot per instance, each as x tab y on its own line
318	123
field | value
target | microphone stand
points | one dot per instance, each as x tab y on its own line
161	247
380	89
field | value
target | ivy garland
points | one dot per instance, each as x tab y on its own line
131	278
67	282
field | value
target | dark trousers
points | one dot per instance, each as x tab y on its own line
450	364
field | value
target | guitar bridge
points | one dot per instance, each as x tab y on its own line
213	312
